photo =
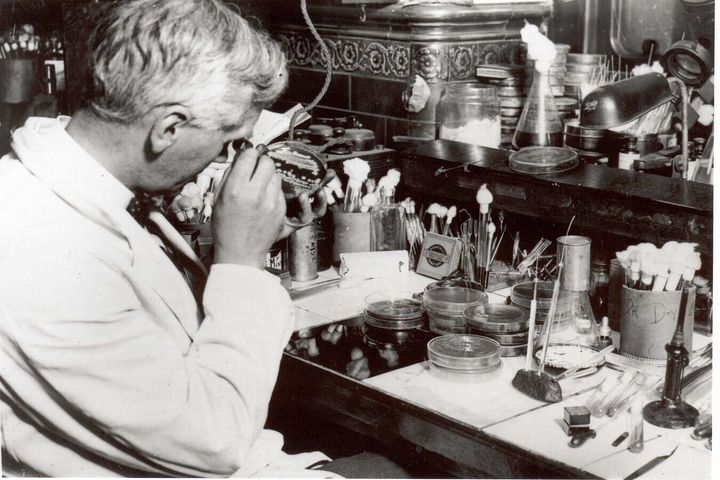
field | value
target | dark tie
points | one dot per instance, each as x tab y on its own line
171	242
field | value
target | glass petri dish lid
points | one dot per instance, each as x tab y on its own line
453	298
464	352
543	160
393	306
496	318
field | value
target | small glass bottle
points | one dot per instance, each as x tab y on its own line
629	152
387	222
470	113
599	287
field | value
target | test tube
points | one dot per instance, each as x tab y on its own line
636	442
618	389
600	393
625	395
641	389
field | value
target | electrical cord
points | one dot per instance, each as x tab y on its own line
328	70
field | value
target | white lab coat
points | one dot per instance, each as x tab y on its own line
107	367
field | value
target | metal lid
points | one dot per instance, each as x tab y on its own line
496	318
464	352
543	160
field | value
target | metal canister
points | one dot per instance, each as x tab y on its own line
304	254
574	251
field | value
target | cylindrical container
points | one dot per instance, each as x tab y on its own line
649	320
303	254
352	233
470	113
17	80
576	262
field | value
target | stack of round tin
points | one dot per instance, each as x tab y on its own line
393	322
506	324
463	358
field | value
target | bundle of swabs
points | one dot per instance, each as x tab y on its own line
649	268
415	230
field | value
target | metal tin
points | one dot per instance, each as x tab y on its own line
496	318
464	352
303	254
576	259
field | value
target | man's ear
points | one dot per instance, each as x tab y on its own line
164	129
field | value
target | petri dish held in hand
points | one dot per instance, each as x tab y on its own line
302	169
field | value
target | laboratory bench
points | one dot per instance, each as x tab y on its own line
483	430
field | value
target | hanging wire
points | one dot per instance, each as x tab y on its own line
326	56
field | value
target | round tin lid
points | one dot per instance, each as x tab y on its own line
543	160
464	352
496	318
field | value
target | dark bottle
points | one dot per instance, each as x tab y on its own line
629	152
599	287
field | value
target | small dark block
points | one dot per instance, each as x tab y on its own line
572	430
577	415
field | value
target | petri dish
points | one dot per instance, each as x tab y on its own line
543	160
466	377
387	323
302	170
453	299
464	352
393	306
496	318
512	350
504	339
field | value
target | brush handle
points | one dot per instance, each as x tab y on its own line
531	334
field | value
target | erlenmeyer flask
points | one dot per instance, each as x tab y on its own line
539	123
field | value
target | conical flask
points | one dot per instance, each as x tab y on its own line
539	123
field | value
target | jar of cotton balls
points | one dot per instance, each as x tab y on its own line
470	113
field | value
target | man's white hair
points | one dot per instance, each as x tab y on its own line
198	53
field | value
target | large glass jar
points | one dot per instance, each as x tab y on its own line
470	113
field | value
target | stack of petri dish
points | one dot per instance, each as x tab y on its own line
522	294
506	324
463	358
393	320
445	307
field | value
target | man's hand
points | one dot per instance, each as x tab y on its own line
308	211
249	211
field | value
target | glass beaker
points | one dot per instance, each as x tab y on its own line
470	113
539	123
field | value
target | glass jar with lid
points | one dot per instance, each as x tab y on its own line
470	113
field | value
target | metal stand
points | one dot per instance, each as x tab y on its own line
671	411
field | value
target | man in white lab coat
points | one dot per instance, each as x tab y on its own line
108	364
